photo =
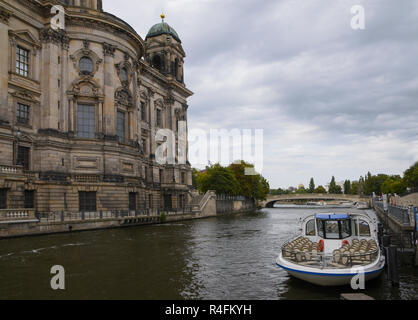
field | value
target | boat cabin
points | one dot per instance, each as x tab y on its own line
336	239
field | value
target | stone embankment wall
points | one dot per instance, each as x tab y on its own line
209	208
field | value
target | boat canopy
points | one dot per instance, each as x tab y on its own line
333	216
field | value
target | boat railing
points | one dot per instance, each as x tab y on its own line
336	260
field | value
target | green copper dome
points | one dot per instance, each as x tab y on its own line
162	28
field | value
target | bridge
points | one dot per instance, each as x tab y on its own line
272	199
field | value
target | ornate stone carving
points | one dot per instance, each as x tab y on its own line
124	97
108	49
86	44
85	52
86	87
59	37
129	72
169	100
5	15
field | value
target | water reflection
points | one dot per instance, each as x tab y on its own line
217	258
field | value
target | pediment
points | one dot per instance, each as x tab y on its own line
26	36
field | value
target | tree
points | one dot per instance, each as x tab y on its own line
194	178
338	190
393	184
320	189
354	187
347	187
278	191
252	186
360	189
411	177
373	183
220	179
301	190
311	186
332	186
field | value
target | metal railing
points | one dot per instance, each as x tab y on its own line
108	214
400	214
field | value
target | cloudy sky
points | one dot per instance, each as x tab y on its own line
331	100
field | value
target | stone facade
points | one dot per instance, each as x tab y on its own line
82	97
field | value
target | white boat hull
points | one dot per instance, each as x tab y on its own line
330	277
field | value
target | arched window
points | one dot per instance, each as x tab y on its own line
86	65
157	63
176	69
124	74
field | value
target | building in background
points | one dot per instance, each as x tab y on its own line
81	99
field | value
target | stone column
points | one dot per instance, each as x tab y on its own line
64	86
109	124
70	116
52	41
4	64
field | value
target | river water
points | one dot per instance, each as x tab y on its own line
228	257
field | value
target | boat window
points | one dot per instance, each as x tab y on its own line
320	228
354	223
364	229
331	230
310	228
345	228
334	229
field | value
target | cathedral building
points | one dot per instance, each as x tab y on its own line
82	97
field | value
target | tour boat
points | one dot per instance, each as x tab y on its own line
334	248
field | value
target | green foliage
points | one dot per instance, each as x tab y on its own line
163	217
332	186
252	186
301	190
411	177
354	187
373	183
320	189
233	181
195	184
220	179
338	190
393	184
347	187
279	191
311	186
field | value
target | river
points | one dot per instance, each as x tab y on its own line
228	257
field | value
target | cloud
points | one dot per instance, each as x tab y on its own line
331	100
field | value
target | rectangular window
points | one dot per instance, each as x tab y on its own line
183	178
87	201
86	121
161	176
168	204
3	198
159	118
143	112
132	201
22	62
23	157
144	145
150	200
121	126
181	201
29	199
22	113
